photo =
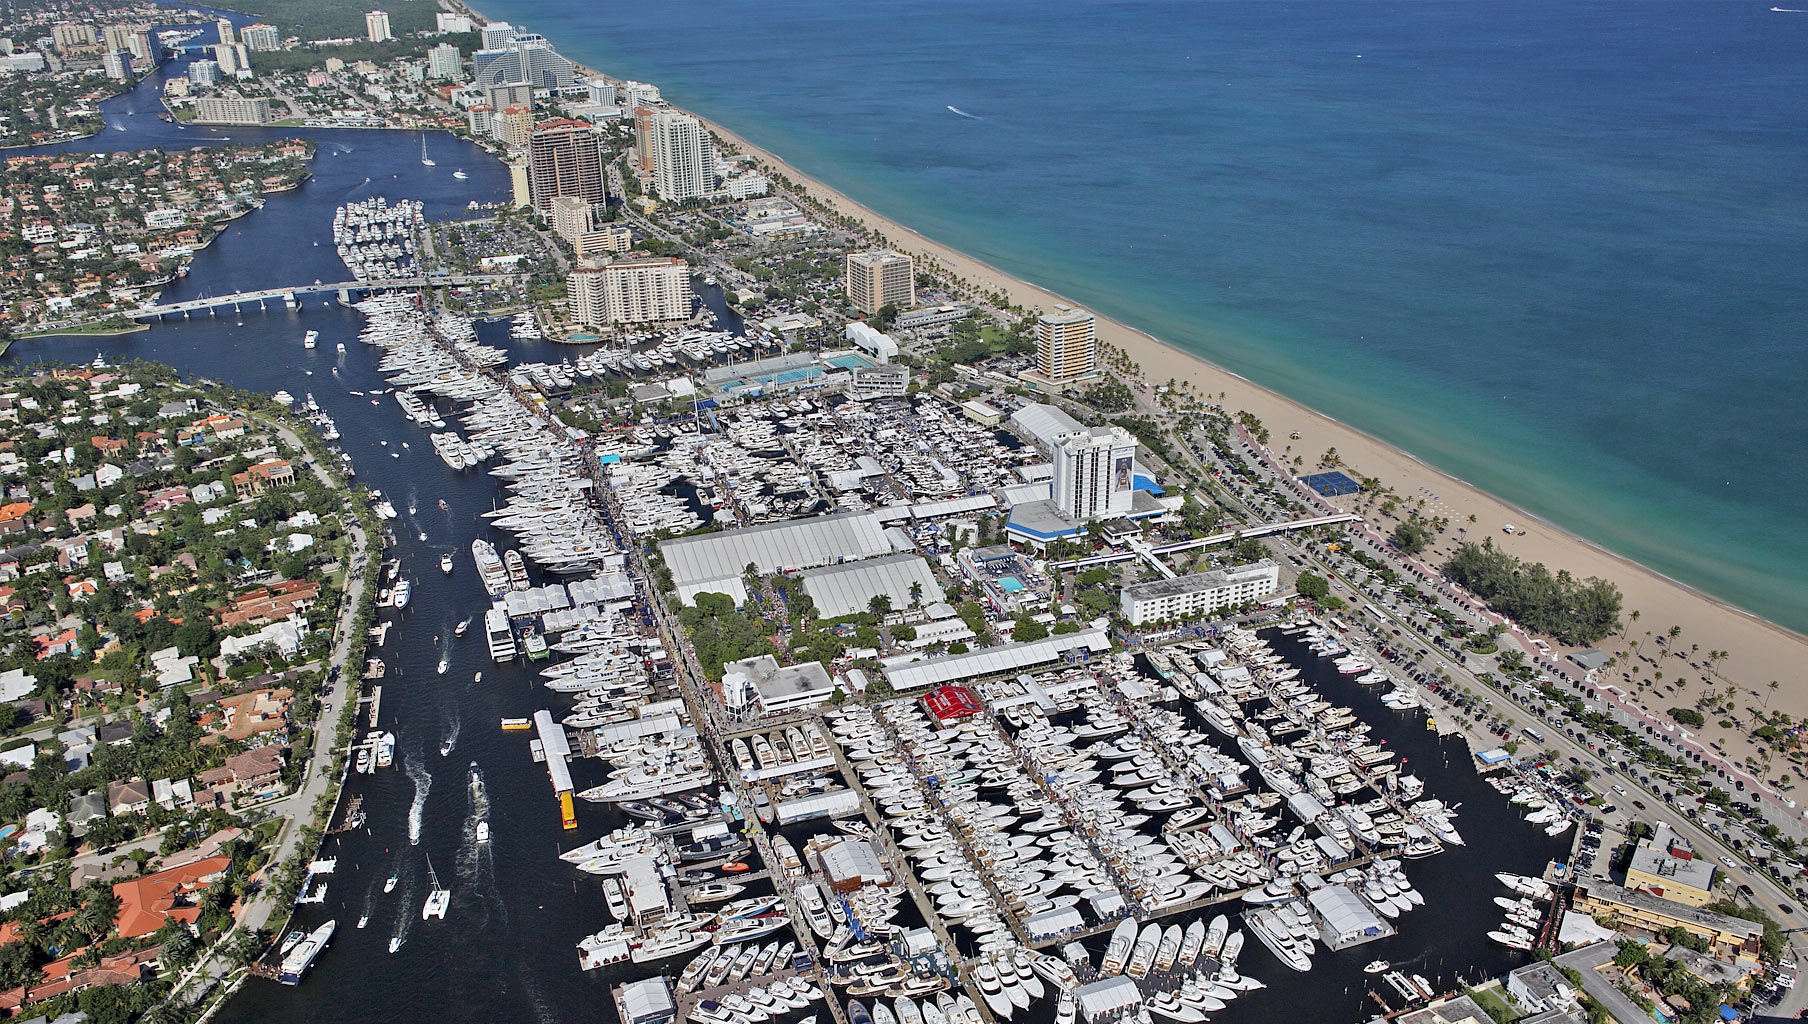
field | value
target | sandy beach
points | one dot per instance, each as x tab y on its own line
1760	651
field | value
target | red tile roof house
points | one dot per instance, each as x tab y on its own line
145	903
123	969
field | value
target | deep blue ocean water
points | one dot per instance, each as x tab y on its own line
1558	250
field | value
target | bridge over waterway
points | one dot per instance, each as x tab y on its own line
292	295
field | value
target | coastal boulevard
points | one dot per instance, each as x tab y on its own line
505	951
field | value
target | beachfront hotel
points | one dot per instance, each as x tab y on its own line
564	159
1095	473
1067	347
635	291
875	278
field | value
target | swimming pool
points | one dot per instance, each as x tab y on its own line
7	832
769	379
848	360
1010	584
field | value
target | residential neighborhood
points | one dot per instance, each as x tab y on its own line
92	236
171	586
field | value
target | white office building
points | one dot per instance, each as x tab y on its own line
684	157
637	94
444	62
1095	473
497	34
376	26
1185	597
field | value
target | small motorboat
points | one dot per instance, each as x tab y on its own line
1376	967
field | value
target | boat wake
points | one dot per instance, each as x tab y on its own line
405	915
451	738
972	117
471	853
1790	10
423	781
542	1010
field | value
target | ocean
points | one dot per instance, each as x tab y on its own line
1556	250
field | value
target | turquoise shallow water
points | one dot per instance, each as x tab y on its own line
1556	250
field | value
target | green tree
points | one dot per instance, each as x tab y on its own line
1411	536
1028	629
1312	585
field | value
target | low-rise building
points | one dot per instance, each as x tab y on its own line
1664	864
869	382
1540	988
761	683
1634	910
1203	593
170	895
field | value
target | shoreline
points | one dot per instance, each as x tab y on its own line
1760	650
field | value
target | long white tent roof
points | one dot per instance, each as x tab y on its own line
705	562
848	588
992	661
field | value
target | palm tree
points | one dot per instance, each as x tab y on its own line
916	593
95	918
1773	689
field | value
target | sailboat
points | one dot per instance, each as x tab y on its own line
460	174
437	899
426	161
